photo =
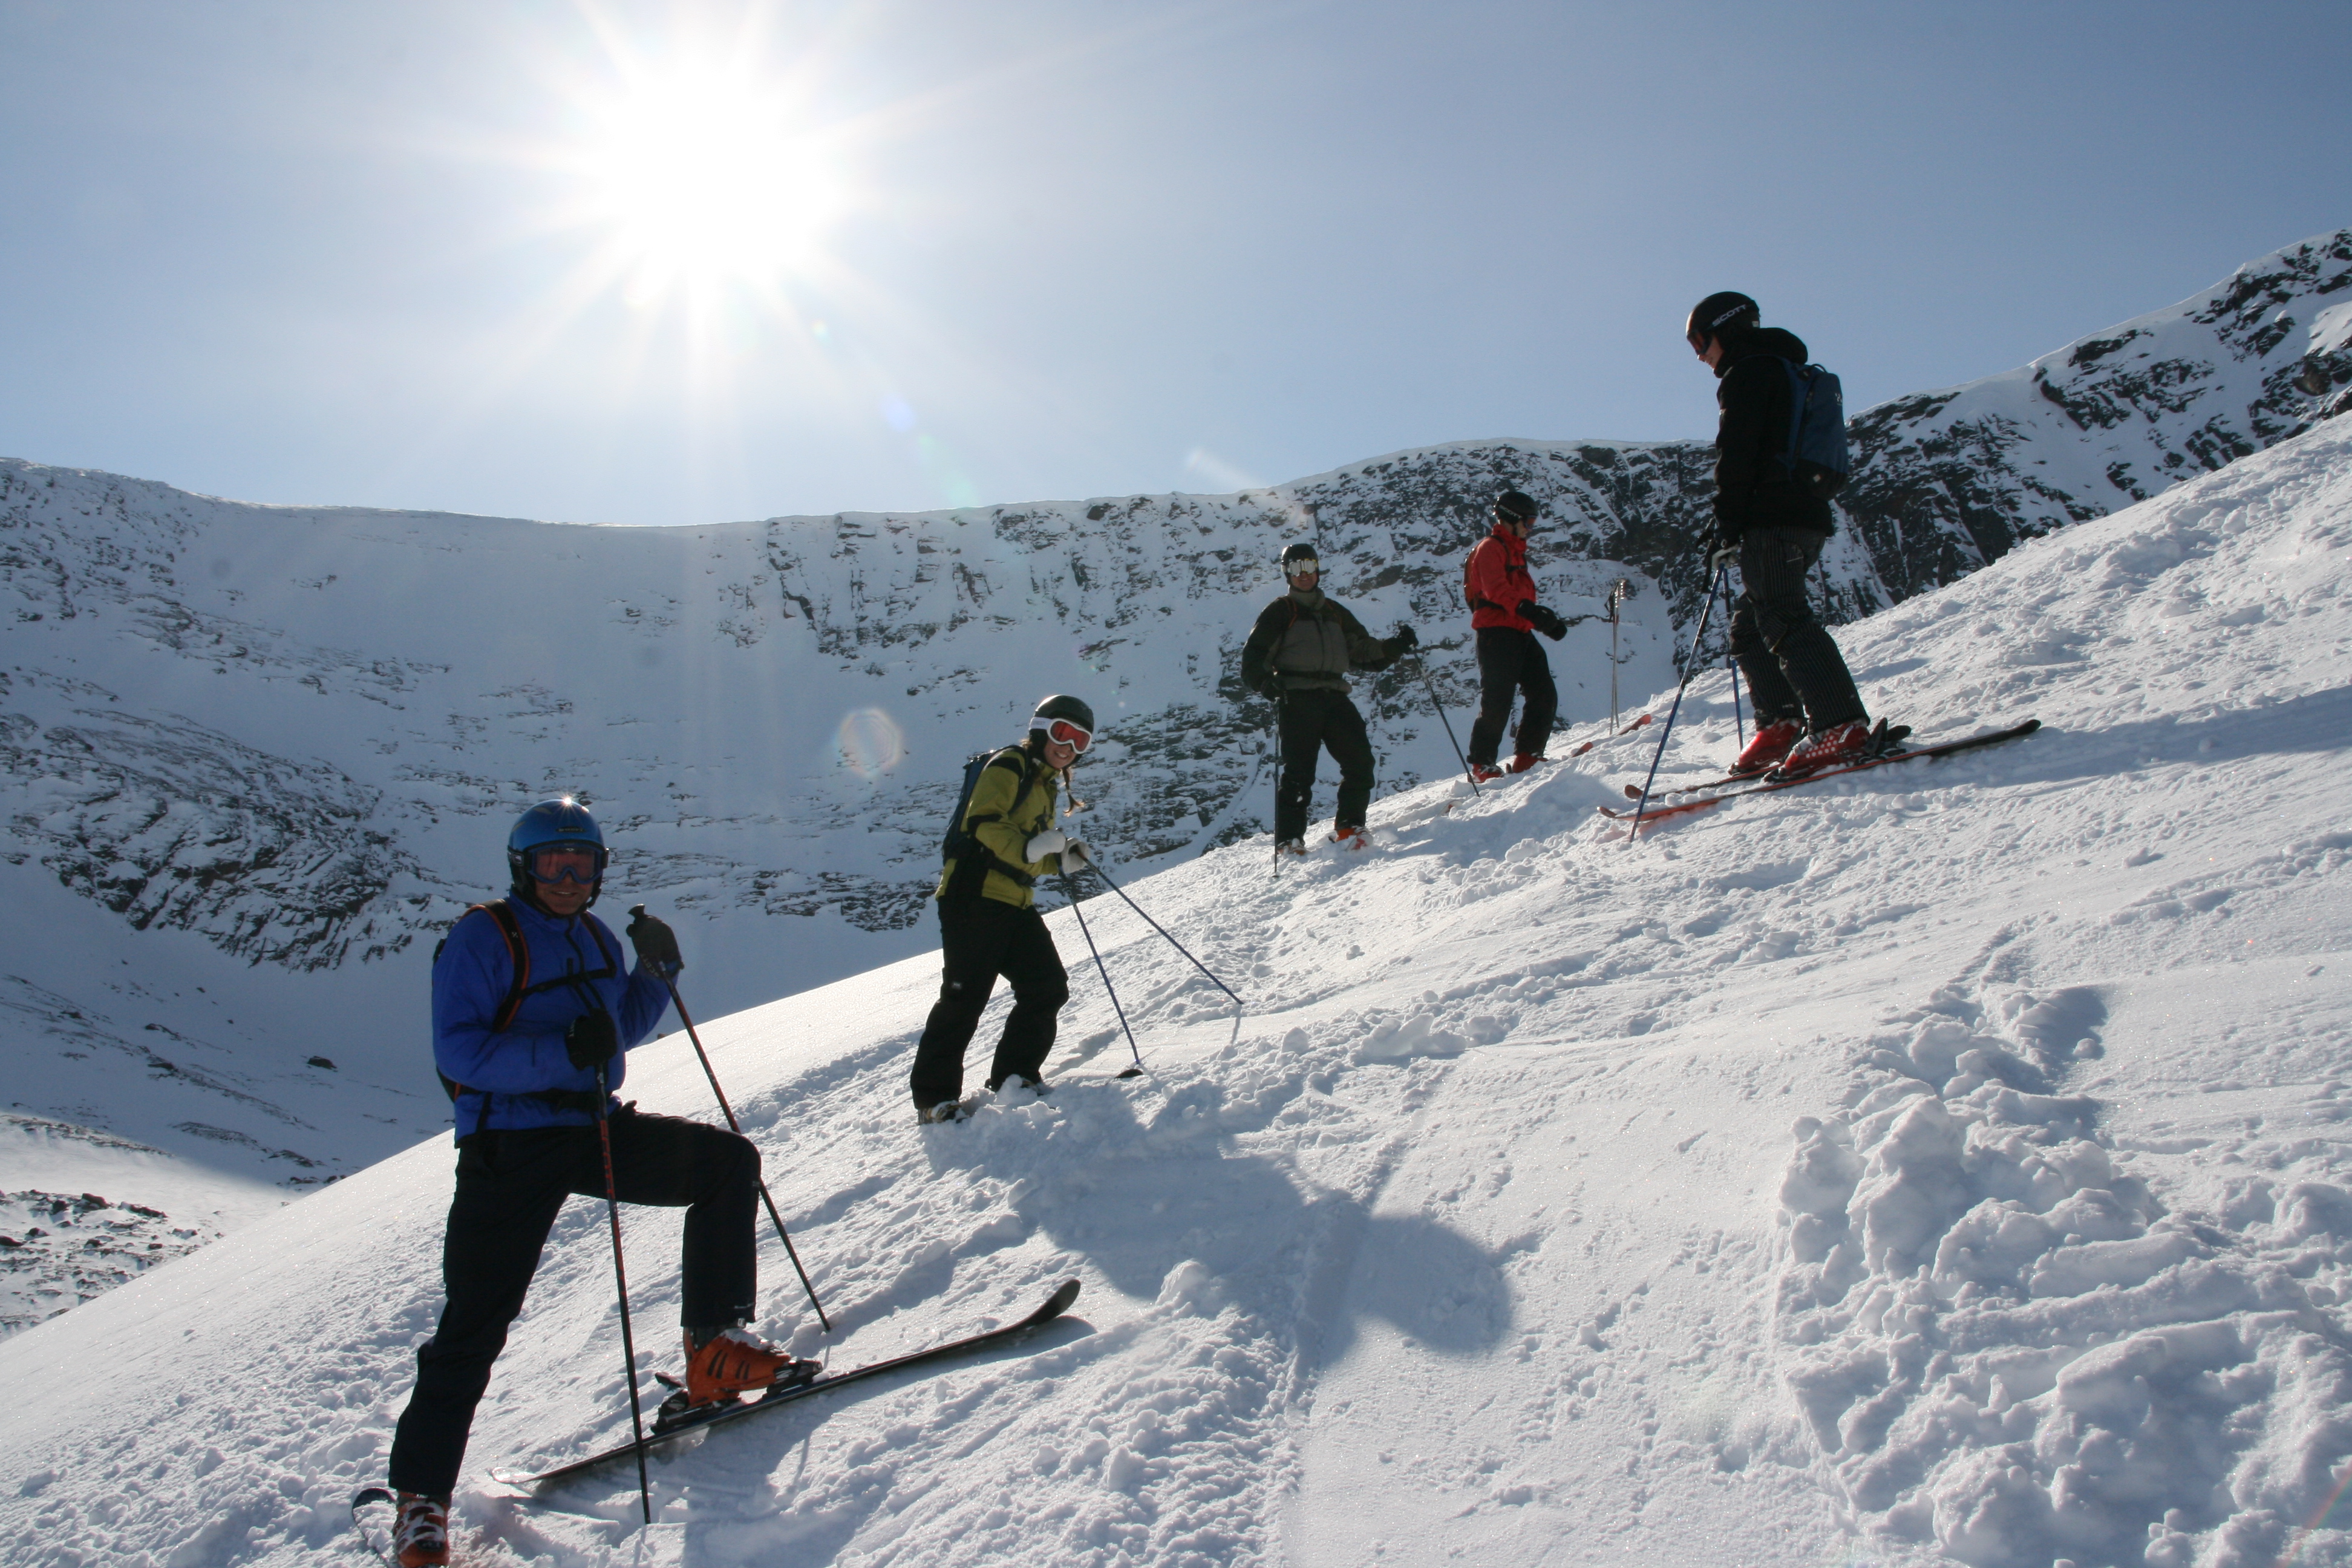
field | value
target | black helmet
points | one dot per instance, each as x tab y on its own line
1302	552
1516	506
1070	710
563	820
1720	313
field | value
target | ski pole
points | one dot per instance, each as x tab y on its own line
1731	665
1277	823
621	1277
679	1001
1155	925
1072	888
1422	665
1690	668
1613	661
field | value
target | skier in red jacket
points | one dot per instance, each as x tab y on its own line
1506	616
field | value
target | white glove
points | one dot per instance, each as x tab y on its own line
1073	855
1050	842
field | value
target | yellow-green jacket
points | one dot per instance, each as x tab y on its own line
1003	815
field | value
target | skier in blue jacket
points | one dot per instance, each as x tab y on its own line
533	1016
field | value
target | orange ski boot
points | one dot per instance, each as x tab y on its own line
735	1361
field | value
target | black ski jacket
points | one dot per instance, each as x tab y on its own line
1752	485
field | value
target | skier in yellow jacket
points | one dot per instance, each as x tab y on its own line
988	924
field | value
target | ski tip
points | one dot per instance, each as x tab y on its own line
1057	1303
520	1479
367	1495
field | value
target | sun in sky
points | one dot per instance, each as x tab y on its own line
701	180
699	170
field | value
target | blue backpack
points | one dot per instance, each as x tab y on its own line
1817	456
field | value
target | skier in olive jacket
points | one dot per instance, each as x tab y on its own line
1808	713
988	923
1505	618
1298	654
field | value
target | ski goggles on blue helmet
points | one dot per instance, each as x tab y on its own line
581	863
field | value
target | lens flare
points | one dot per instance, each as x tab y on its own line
871	743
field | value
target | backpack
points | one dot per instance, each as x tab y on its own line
971	869
1817	456
1468	597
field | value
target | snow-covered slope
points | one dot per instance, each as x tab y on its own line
253	760
1946	1159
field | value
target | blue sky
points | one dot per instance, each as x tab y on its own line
481	258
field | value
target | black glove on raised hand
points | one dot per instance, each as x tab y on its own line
1406	639
591	1041
656	944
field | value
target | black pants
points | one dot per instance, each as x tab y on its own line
1311	721
509	1187
1511	661
981	939
1793	668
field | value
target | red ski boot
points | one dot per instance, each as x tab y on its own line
1485	773
1772	743
1350	838
1526	760
1833	747
421	1537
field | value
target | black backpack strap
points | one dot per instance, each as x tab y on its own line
517	963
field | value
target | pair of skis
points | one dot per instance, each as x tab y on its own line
720	1414
1684	808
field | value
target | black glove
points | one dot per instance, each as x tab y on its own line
1543	620
591	1041
656	944
1406	640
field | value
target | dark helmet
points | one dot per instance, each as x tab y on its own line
1516	506
1069	709
1293	553
563	820
1720	313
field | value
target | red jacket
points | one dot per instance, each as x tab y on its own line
1497	582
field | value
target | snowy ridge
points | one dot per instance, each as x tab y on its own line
1943	1162
1945	481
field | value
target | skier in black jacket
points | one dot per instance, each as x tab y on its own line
1299	654
1808	713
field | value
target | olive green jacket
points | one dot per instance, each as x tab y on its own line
1004	812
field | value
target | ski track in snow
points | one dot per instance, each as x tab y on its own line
1942	1162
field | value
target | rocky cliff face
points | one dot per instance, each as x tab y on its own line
295	736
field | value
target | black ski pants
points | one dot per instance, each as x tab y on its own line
1510	662
510	1185
1793	667
1311	719
980	940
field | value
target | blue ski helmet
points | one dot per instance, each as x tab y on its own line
563	820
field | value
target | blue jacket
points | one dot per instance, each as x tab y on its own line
575	965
